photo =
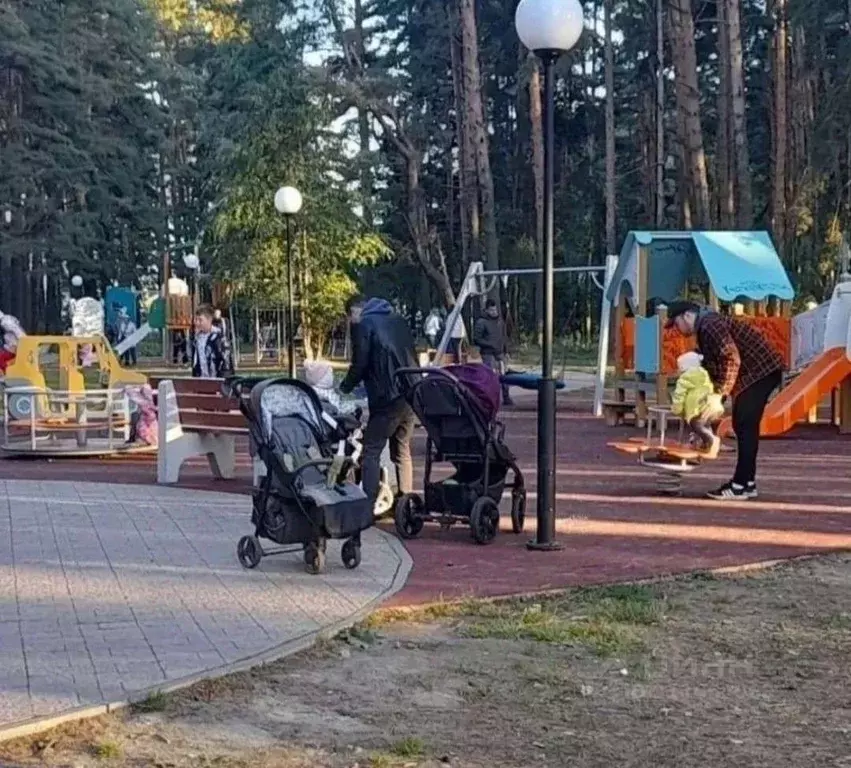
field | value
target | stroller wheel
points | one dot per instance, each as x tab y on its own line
518	509
249	552
484	520
314	559
408	517
351	554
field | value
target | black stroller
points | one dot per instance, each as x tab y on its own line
460	420
296	503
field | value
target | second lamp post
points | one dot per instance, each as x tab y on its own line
548	28
288	202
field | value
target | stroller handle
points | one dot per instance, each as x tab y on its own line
239	386
315	464
424	371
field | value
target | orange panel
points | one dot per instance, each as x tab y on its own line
777	331
794	402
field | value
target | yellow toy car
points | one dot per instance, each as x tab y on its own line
69	365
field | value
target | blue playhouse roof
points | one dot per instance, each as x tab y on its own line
738	265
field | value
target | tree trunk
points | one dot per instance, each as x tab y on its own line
537	124
364	130
779	146
611	233
744	185
723	165
475	119
688	106
468	196
426	241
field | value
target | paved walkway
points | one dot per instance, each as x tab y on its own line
109	590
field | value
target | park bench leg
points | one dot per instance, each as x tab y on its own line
221	453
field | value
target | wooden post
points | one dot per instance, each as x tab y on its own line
620	372
641	310
257	350
166	333
661	376
845	407
713	299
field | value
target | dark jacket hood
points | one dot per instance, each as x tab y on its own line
377	307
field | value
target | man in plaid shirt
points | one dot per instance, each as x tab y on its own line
743	366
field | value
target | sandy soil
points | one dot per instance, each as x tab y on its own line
751	670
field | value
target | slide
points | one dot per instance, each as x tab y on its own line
794	402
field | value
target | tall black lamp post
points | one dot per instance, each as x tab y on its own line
548	28
288	202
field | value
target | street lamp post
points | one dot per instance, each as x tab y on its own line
548	28
288	202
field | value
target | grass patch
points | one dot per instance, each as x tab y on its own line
108	750
838	621
410	746
541	625
628	604
439	611
156	701
605	619
379	760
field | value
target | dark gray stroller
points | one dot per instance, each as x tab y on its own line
296	504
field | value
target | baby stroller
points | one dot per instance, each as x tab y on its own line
457	406
304	499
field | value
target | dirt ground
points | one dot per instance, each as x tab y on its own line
747	670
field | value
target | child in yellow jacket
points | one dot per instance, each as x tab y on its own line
696	402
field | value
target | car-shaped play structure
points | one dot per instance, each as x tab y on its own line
66	395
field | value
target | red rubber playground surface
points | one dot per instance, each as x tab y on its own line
612	524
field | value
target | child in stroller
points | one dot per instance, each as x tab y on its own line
304	499
320	376
457	405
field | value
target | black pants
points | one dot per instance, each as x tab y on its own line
494	362
748	408
394	422
129	357
703	431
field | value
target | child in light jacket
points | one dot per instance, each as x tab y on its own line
696	402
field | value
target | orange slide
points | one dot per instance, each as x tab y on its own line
794	402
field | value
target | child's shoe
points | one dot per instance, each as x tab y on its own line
713	450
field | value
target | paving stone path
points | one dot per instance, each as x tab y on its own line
108	590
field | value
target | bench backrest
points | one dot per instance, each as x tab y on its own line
201	404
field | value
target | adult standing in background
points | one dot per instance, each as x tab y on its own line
490	337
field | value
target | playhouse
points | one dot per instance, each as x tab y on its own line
656	268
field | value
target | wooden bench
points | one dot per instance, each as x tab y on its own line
196	419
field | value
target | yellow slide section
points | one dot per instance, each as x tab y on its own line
794	402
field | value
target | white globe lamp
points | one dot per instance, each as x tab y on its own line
549	27
77	281
288	201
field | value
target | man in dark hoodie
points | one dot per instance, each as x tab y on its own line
489	336
382	344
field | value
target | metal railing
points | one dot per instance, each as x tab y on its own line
50	411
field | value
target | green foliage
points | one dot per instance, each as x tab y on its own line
131	126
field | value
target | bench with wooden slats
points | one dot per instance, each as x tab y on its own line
196	419
204	408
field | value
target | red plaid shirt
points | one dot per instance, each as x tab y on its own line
735	354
